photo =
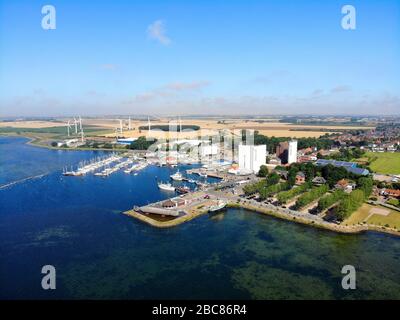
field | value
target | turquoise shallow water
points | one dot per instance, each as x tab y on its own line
76	225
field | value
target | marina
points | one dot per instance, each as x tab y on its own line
105	166
90	166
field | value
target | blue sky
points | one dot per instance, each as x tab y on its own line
199	57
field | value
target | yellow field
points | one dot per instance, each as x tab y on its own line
376	215
211	127
208	127
31	124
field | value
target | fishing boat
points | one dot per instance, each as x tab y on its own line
217	207
177	176
183	190
166	186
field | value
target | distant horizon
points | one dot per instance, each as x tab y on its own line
189	116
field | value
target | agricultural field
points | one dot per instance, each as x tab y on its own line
207	126
384	162
377	215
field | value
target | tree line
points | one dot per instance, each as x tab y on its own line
311	196
351	202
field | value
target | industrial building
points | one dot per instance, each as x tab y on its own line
292	153
287	152
252	157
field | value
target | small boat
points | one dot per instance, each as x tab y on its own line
217	207
201	184
166	187
69	173
183	190
203	174
177	176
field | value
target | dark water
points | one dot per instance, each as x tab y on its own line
76	225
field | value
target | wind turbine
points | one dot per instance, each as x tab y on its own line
68	127
80	123
81	128
82	135
148	122
120	126
129	124
76	125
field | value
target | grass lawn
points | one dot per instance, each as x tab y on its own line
393	219
393	202
358	216
384	162
364	214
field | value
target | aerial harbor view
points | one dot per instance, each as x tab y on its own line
186	151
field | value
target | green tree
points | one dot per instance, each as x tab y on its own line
273	178
263	172
141	144
365	184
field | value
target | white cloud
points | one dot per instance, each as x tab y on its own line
340	89
157	32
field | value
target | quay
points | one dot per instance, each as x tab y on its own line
198	203
182	209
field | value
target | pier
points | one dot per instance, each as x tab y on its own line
165	214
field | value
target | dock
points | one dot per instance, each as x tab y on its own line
188	207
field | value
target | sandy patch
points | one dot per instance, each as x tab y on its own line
32	124
380	211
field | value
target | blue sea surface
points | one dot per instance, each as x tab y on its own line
76	224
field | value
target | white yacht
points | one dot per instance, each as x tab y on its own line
203	174
166	186
217	207
177	176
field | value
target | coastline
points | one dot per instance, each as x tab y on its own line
355	229
32	141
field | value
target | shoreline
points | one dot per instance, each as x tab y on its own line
355	229
32	142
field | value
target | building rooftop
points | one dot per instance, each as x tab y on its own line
349	166
336	163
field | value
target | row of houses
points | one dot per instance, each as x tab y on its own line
390	193
343	184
